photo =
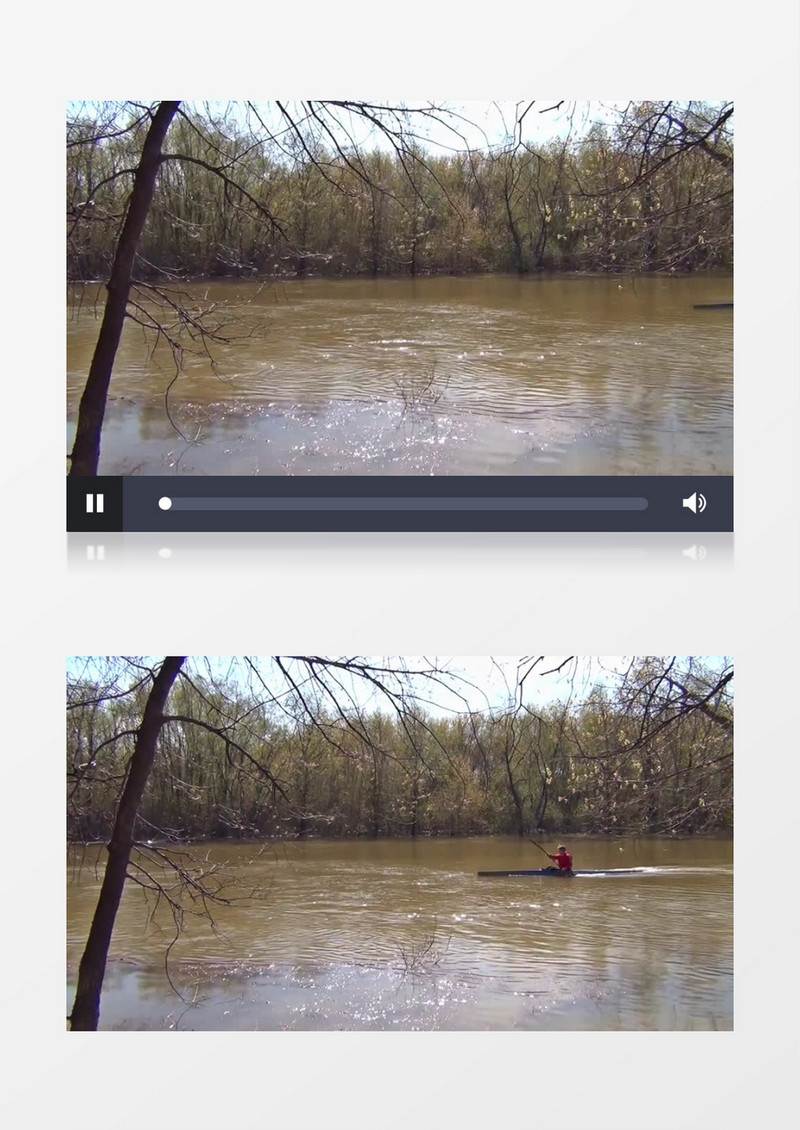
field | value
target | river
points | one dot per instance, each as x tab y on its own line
402	934
486	374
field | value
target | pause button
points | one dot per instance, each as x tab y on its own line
94	504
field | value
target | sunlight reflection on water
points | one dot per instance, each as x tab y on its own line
357	926
612	381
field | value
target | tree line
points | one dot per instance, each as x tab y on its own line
651	189
630	758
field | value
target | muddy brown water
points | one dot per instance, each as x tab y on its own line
401	934
446	375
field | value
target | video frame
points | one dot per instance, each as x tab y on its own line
400	843
513	293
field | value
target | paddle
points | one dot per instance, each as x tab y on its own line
539	846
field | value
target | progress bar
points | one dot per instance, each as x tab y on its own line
300	502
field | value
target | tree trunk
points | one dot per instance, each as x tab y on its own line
541	808
376	234
519	256
86	450
86	1009
513	230
650	226
415	806
650	795
376	796
516	798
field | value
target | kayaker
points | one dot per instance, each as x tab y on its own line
563	859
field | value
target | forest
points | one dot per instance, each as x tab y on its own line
649	751
272	190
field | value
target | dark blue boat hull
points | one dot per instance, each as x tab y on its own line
553	872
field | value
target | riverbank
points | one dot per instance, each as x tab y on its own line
617	272
541	834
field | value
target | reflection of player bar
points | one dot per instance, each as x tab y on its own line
303	502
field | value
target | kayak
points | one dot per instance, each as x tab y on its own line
554	873
713	306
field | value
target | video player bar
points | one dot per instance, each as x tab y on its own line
356	503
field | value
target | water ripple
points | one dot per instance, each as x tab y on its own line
621	383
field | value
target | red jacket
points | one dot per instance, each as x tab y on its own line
564	861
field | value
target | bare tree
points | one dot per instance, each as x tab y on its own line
86	1008
637	744
306	126
306	682
86	450
667	172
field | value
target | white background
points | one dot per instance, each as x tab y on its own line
393	594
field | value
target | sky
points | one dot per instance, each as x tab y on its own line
474	123
478	682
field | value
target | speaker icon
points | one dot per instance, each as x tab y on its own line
696	503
